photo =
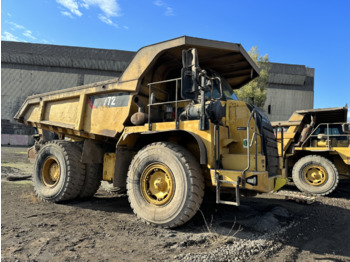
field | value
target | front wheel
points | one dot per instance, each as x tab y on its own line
165	185
315	175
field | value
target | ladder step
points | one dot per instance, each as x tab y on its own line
228	203
218	186
228	182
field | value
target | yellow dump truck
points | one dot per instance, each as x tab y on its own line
314	148
168	127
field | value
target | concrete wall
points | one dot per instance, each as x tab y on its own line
291	88
28	69
17	140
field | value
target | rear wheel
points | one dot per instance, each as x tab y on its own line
165	185
315	175
93	177
58	173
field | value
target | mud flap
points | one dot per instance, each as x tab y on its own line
279	183
31	154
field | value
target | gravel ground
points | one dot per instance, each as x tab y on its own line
263	228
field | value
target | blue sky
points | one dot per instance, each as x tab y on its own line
314	33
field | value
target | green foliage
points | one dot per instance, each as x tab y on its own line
256	89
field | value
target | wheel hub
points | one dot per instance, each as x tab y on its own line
51	171
160	184
315	175
157	184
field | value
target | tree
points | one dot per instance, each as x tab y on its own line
256	89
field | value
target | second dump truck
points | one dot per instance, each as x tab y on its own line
314	148
168	127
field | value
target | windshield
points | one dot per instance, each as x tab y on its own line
226	88
333	130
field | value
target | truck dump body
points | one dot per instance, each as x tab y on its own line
89	111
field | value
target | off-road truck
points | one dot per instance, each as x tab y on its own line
168	127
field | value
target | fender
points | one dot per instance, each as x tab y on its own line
203	160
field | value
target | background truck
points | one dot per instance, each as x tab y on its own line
314	148
168	127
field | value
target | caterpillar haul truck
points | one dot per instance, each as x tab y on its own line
168	127
314	148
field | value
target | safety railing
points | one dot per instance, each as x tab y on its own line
251	141
279	129
174	102
327	138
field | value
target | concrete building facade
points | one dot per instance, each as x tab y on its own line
28	69
291	88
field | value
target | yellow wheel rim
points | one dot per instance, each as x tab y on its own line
157	184
315	175
51	171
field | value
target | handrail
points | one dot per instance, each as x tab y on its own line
282	139
176	80
250	143
328	135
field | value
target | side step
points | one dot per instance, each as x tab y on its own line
219	181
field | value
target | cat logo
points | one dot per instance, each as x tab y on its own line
253	180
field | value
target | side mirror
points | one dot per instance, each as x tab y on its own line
346	128
189	74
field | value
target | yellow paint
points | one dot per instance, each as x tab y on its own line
293	125
64	111
79	121
50	172
207	136
106	121
108	166
157	184
240	113
240	162
32	114
279	183
296	117
226	142
315	175
264	184
344	153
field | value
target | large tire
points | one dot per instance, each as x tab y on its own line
269	142
165	185
315	175
93	177
58	173
270	149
